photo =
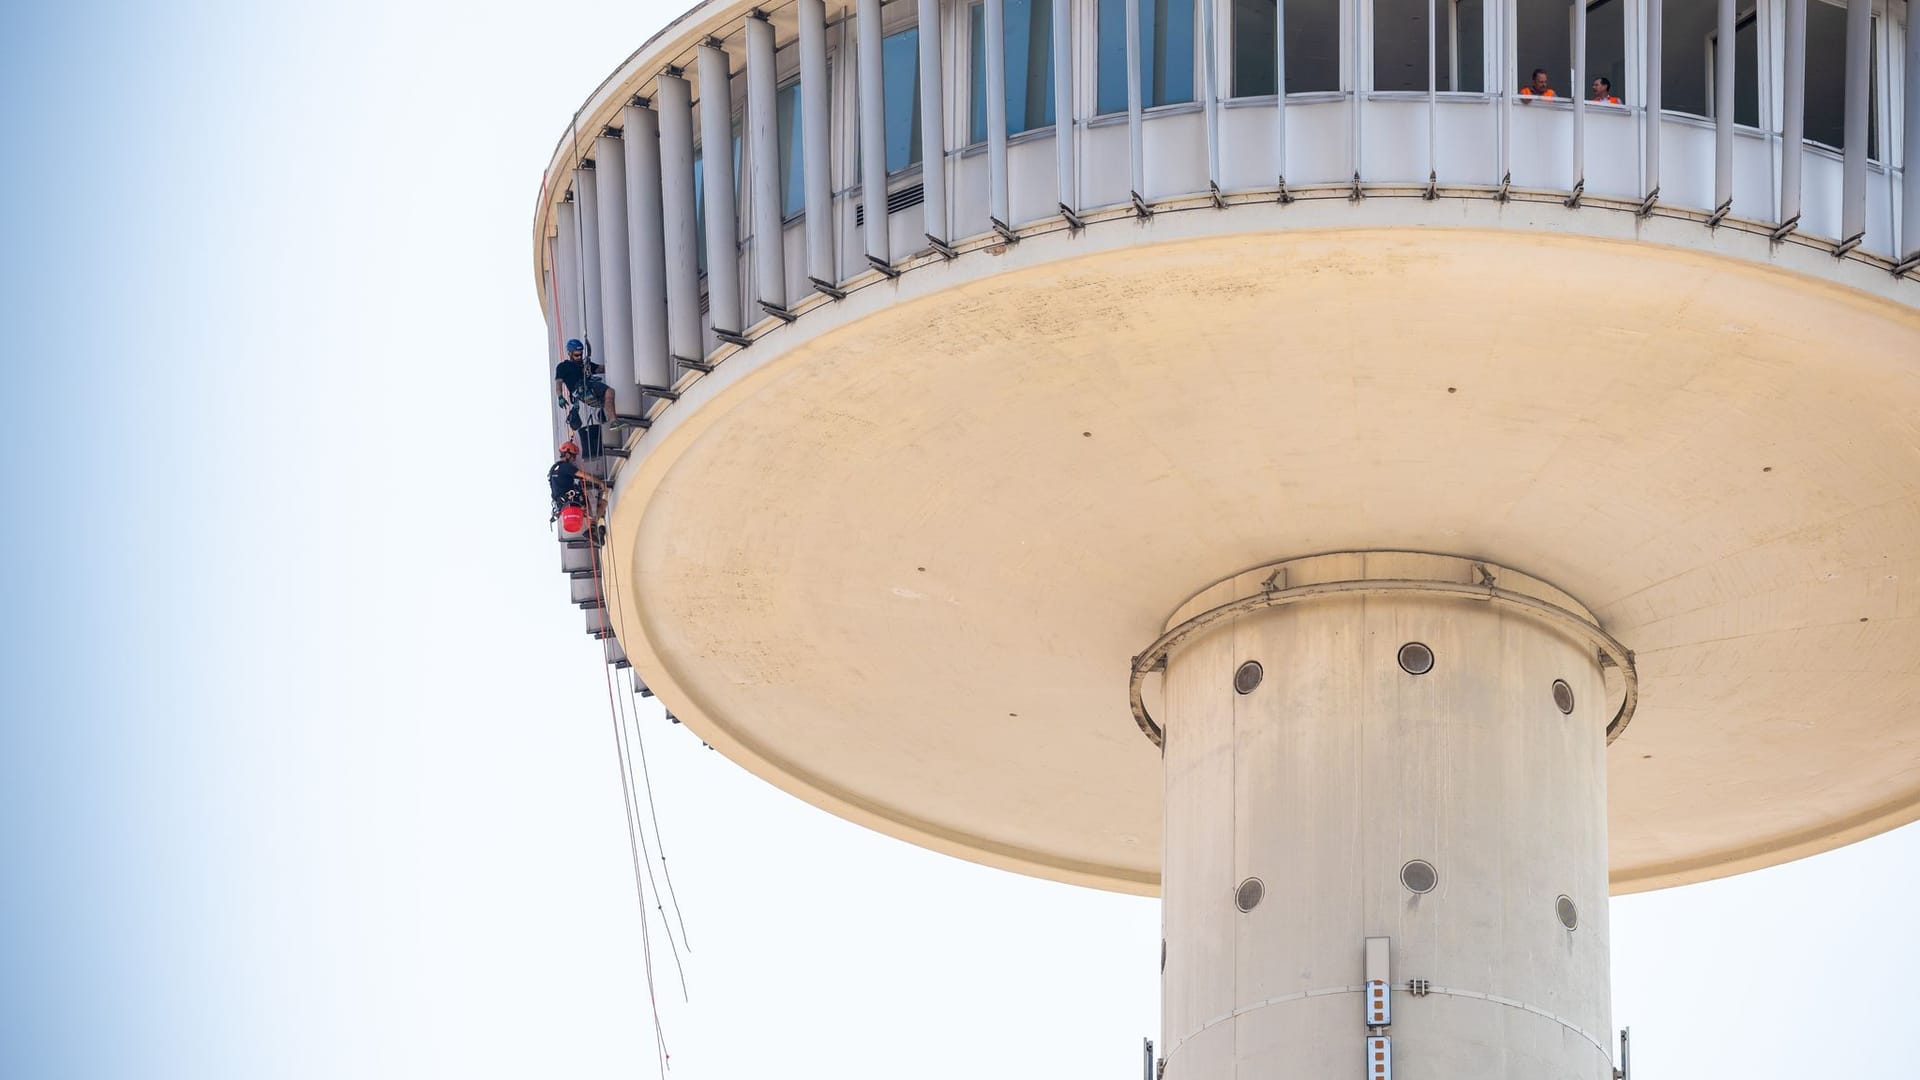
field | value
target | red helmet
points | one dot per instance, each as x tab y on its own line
568	448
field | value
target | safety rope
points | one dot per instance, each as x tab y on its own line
659	837
630	818
665	926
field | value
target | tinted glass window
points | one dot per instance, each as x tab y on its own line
1029	53
900	66
1400	44
793	190
1166	54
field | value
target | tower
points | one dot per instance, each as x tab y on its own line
1381	519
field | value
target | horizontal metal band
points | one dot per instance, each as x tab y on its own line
1559	617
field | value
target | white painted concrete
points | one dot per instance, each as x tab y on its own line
1337	769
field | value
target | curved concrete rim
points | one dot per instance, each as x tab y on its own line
707	399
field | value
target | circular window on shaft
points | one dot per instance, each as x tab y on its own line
1569	915
1562	696
1419	876
1249	894
1415	658
1247	677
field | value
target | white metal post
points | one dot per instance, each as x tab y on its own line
646	249
1723	84
815	165
1580	92
616	280
1210	90
1650	190
1909	247
873	130
1137	174
933	126
1793	129
763	124
1280	91
566	270
994	43
1853	165
586	200
677	207
719	191
1063	105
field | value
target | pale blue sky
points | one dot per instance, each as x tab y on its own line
304	762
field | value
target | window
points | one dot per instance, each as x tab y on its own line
1029	52
1686	61
793	184
700	198
1463	47
1253	48
1400	44
1826	109
1167	53
1544	38
1607	48
900	77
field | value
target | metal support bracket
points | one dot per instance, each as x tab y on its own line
891	271
700	366
1572	202
1073	220
1506	188
1907	265
1433	186
941	247
1140	208
1213	190
1720	214
1851	242
662	392
827	288
1784	229
1005	233
1355	195
1285	197
1647	204
778	312
732	337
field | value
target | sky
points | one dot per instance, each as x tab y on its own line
306	768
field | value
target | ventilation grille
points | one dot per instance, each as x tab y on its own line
904	199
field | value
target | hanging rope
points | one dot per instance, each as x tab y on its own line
633	847
660	840
633	806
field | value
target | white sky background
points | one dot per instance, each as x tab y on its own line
341	800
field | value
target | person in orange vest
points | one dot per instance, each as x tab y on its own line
567	482
1603	92
1539	86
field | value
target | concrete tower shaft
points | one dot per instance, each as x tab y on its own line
1394	766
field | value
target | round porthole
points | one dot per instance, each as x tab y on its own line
1569	915
1419	876
1562	696
1415	658
1249	894
1247	677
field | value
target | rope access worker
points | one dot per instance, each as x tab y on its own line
585	396
568	483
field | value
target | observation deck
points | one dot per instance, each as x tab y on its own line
1005	328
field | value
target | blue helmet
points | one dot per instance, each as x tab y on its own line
574	345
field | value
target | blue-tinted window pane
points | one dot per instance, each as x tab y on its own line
1029	45
1166	51
700	198
1110	41
793	188
699	213
1166	54
900	67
